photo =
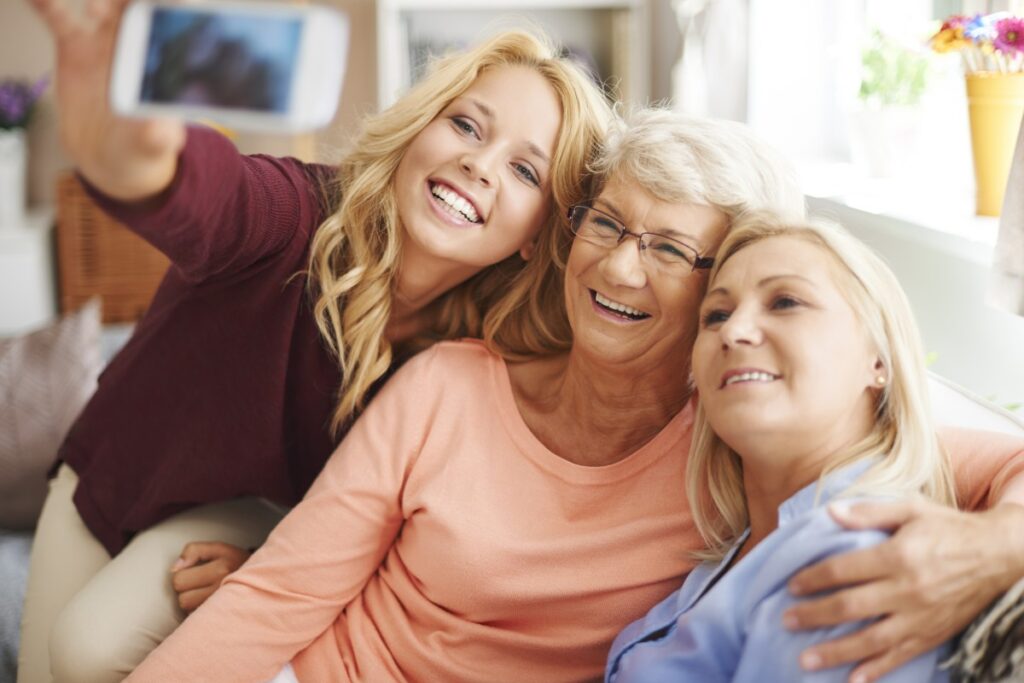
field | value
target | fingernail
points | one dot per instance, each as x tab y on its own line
790	621
796	588
810	661
859	678
840	509
179	563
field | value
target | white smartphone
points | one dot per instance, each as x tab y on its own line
248	65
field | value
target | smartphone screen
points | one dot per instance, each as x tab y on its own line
229	60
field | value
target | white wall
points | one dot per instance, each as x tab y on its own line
946	279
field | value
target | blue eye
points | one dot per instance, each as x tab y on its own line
526	174
464	126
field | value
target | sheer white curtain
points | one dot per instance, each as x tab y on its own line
710	78
1008	259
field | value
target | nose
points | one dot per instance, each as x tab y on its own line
622	266
479	165
740	328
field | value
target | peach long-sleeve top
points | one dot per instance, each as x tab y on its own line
444	542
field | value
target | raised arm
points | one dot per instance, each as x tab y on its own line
315	562
128	159
188	191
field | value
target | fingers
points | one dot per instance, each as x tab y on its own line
191	600
875	515
57	17
208	574
854	604
876	667
842	570
869	642
194	553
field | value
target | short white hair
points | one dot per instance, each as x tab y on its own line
679	158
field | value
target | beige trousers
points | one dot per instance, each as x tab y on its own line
90	618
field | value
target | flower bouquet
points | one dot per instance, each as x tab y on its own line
992	49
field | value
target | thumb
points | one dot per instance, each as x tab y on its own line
873	515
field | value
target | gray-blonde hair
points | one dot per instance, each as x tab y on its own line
679	158
910	460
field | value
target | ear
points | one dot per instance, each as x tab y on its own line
879	377
526	251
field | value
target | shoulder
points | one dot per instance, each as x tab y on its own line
810	538
450	363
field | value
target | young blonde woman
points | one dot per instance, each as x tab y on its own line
291	285
812	390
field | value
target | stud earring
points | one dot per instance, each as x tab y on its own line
880	380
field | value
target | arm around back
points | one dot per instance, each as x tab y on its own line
295	587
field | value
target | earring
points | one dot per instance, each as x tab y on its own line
880	380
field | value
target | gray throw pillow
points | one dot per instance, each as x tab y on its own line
46	377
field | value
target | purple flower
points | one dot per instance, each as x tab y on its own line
1010	35
17	99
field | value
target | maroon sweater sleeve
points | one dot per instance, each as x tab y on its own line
223	211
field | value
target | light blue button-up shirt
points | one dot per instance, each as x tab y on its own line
734	632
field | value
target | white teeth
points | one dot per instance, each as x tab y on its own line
621	308
751	377
463	208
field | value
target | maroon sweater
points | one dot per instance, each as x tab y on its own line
226	388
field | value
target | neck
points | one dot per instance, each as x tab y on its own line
418	283
774	471
598	414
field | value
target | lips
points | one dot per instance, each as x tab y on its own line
616	308
747	376
454	202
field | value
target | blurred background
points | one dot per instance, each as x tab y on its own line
875	120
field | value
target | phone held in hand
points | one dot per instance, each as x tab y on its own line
247	65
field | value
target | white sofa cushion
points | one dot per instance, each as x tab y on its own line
954	406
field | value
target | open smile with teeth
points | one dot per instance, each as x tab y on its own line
750	377
621	310
453	203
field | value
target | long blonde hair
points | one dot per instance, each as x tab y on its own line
356	251
910	460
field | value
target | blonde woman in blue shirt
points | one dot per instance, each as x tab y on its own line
812	390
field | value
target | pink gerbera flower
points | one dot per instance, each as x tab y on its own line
1010	35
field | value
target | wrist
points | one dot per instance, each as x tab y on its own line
1008	518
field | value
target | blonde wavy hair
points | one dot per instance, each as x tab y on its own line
356	251
910	460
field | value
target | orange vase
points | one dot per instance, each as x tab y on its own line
995	105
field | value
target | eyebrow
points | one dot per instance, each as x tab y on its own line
665	232
766	281
488	113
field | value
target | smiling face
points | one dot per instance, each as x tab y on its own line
473	187
781	359
621	308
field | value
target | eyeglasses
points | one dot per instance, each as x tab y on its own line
668	255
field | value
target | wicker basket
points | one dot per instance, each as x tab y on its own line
97	256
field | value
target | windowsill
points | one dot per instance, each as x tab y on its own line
918	209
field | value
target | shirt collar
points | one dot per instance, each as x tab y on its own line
821	491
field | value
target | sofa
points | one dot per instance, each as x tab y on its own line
998	635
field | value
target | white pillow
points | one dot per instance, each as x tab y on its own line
46	377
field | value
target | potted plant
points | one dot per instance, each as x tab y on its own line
17	101
887	120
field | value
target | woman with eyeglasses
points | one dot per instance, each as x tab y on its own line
503	508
